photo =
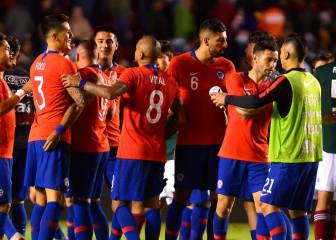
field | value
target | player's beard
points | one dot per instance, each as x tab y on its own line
214	53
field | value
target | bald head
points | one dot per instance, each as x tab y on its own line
147	50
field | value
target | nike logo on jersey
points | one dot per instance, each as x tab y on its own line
307	84
193	74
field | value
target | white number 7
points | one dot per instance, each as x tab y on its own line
39	89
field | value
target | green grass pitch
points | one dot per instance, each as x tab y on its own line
237	231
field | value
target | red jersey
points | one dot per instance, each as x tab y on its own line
7	124
205	122
246	139
113	125
149	96
50	97
88	133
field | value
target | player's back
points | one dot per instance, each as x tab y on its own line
87	135
205	122
50	97
149	96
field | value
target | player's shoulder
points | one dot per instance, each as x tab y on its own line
182	58
225	63
119	68
329	67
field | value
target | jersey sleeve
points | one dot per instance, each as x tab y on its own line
274	92
69	67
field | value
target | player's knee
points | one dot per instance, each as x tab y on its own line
5	207
223	207
267	208
116	203
69	201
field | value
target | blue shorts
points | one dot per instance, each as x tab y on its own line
108	175
6	165
290	185
196	167
52	168
31	166
245	193
19	188
199	196
86	174
137	180
236	177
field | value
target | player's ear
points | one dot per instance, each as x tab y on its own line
141	55
206	41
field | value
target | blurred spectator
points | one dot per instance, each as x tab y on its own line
159	20
184	22
272	20
19	22
80	26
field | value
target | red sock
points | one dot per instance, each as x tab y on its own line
322	225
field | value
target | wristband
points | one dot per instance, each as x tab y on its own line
20	93
82	84
60	129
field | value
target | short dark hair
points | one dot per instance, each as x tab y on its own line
105	28
90	47
166	48
267	42
327	57
53	22
299	44
257	36
2	37
14	44
212	25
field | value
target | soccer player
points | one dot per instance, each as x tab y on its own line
16	77
7	125
243	155
198	142
148	94
295	140
49	138
326	181
107	44
91	154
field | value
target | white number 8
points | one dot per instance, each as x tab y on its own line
156	106
39	89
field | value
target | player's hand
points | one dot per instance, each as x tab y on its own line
52	141
114	77
27	87
218	99
71	80
329	118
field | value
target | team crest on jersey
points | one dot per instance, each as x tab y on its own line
220	75
1	192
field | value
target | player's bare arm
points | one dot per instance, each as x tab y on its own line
10	103
178	118
70	116
108	92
